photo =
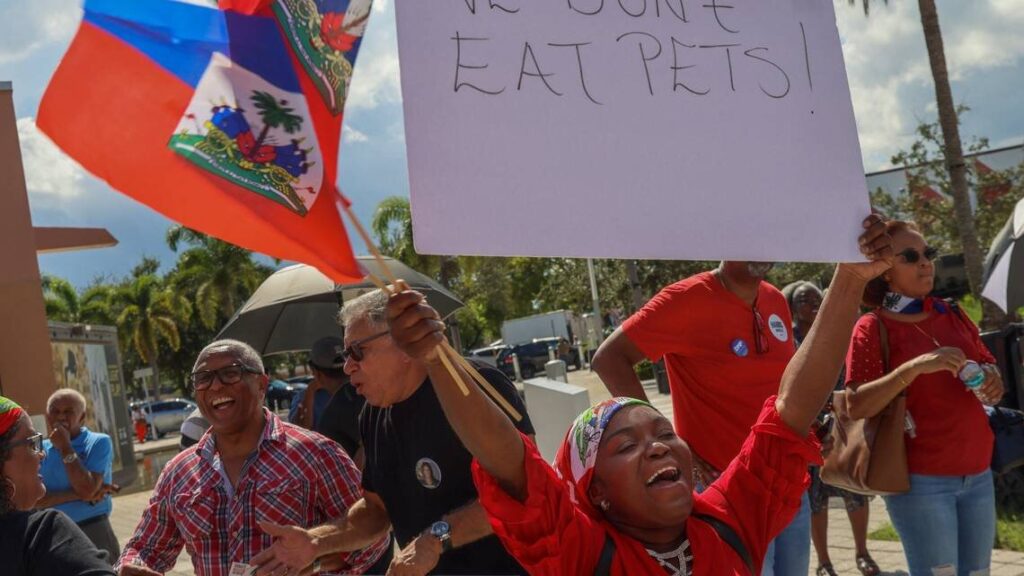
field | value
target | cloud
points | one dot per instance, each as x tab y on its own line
28	25
375	80
52	178
352	136
887	63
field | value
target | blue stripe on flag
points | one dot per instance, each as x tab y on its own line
182	37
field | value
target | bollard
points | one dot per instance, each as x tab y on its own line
515	367
556	370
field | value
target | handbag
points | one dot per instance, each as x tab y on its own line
1008	428
870	454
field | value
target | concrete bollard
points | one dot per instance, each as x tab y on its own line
553	406
556	370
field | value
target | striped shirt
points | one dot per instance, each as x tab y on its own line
295	477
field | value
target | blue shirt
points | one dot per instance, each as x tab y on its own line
320	399
96	452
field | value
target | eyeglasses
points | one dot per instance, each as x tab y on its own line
911	255
760	338
34	442
230	374
354	350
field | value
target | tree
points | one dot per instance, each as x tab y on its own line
274	115
65	304
217	276
954	155
150	313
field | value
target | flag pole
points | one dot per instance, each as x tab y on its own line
445	352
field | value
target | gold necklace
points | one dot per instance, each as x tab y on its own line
928	336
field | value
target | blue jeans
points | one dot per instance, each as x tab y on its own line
947	524
790	552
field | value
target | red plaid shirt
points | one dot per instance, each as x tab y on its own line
295	477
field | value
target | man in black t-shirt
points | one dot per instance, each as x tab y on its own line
417	477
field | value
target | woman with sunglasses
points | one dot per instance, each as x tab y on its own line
947	519
42	542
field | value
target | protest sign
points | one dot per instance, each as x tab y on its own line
672	129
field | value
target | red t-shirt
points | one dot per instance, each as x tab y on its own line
717	391
758	494
953	437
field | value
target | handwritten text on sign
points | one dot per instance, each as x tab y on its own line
630	128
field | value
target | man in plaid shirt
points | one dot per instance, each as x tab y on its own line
250	467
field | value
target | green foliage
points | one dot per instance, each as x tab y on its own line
1009	532
884	532
997	191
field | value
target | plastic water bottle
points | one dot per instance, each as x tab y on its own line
972	375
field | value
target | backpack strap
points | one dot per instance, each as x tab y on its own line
726	533
604	564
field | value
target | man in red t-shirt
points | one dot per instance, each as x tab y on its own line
726	338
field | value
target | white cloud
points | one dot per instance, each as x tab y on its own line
887	62
52	178
28	25
352	136
375	80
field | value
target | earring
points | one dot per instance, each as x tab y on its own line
605	505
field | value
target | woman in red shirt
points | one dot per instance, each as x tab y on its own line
947	519
623	488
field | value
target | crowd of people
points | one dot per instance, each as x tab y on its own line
387	467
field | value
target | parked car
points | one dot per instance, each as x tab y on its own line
487	355
532	357
279	395
571	359
166	415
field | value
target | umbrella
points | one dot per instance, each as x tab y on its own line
298	305
1005	264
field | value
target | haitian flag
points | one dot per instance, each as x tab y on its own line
208	117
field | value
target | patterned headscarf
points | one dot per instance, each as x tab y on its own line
9	414
578	454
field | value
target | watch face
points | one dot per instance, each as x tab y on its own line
439	529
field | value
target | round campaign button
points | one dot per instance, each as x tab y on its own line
739	347
778	328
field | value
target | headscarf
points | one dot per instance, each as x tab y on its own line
577	456
10	413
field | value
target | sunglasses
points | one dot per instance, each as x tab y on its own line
34	442
231	374
911	255
760	338
354	351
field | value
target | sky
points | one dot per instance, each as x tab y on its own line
886	62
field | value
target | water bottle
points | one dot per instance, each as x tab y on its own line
972	375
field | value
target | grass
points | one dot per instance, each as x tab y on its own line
1009	533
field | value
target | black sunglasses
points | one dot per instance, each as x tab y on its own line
355	349
34	442
231	374
911	255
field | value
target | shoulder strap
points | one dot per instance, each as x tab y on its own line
725	532
883	337
604	565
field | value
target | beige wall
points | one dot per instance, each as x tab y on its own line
25	364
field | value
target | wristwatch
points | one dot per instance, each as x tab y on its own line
443	532
70	458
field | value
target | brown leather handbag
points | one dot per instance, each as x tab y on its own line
870	454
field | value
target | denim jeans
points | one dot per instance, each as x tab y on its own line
790	552
947	524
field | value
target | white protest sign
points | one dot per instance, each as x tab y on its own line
663	129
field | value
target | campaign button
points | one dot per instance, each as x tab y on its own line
739	347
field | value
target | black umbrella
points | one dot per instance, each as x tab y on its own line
298	305
1004	266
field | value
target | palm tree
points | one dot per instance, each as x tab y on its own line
222	275
274	114
65	304
150	313
392	224
954	154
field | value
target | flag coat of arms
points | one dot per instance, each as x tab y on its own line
215	118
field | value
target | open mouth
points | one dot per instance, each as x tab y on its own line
222	404
666	475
